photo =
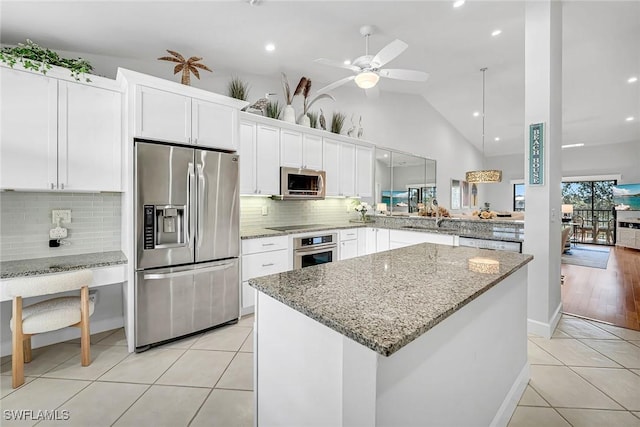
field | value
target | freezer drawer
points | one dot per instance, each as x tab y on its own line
172	302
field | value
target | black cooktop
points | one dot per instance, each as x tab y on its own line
296	227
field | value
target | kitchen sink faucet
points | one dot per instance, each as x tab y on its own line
434	203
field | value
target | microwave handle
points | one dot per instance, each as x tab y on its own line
321	184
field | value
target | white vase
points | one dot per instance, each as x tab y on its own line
305	121
289	114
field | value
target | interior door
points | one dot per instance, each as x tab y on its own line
218	212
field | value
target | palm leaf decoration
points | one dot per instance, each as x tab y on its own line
187	66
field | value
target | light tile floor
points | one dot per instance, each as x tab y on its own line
588	374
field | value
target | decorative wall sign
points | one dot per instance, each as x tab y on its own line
536	154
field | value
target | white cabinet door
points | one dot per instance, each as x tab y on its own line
248	298
247	152
382	240
347	169
213	125
331	161
364	171
89	138
362	241
371	239
162	115
312	152
348	249
267	160
28	138
291	148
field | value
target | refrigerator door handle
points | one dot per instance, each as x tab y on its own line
202	199
157	276
190	200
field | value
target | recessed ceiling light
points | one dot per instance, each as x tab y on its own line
458	3
347	62
476	114
632	79
270	47
573	145
386	155
497	138
630	119
496	33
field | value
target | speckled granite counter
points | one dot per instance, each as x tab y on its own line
32	267
255	233
388	299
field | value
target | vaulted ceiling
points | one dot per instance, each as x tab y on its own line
601	51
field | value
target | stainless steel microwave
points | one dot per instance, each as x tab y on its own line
301	184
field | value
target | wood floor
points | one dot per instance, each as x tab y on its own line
611	295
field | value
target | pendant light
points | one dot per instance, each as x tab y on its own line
484	176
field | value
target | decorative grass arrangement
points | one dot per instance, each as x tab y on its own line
313	119
273	110
37	58
337	121
238	89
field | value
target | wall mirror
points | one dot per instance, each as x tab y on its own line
403	181
455	194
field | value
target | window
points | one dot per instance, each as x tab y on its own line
518	197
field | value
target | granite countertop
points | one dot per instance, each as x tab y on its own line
58	264
386	300
255	232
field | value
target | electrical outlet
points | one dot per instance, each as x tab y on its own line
93	296
58	233
63	214
265	210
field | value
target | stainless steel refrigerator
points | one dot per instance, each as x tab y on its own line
187	241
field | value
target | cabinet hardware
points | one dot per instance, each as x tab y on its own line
268	264
268	244
53	186
62	186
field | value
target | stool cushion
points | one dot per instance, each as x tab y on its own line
52	314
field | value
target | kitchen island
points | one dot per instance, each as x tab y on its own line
422	335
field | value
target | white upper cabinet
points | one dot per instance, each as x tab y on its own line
300	150
162	115
59	135
347	169
89	138
339	160
364	171
213	125
168	116
259	159
312	151
28	144
331	160
291	149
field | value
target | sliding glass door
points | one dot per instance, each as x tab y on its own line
592	210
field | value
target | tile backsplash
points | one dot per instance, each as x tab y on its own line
25	220
291	212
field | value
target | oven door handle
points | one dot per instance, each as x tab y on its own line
316	250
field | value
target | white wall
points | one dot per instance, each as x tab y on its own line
621	159
398	121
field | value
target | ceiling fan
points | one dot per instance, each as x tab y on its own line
367	68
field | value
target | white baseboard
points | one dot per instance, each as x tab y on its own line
542	329
503	416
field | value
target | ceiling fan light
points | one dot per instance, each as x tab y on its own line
367	79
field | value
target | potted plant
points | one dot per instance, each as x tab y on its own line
337	121
304	118
37	58
238	89
273	110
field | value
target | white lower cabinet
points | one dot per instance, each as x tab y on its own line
261	257
348	243
402	238
377	240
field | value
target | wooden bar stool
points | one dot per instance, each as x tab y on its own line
48	315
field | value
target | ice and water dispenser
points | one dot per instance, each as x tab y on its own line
164	226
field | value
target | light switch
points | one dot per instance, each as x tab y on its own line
265	210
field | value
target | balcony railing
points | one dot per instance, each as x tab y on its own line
595	221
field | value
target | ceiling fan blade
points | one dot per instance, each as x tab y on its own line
399	74
372	93
333	63
388	53
335	84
